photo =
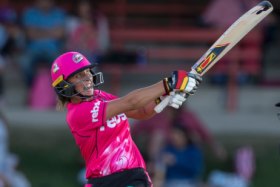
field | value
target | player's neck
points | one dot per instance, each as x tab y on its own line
77	99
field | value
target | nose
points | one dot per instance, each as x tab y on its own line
88	77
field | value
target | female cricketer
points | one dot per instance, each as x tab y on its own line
99	120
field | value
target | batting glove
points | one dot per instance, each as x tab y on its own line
176	100
182	81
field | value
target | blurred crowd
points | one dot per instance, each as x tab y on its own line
174	144
30	39
33	38
10	175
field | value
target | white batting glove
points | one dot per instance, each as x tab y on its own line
176	100
194	81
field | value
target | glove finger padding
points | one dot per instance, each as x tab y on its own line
189	85
173	105
198	78
177	99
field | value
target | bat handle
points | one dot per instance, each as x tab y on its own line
164	103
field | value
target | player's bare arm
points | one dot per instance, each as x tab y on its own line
135	101
179	81
143	113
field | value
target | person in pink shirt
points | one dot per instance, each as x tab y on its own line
99	120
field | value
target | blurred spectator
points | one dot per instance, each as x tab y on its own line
10	40
225	179
9	162
181	160
81	177
2	61
88	30
242	174
278	113
212	15
151	135
3	152
3	181
230	10
244	163
44	25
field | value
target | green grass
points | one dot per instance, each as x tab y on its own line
50	158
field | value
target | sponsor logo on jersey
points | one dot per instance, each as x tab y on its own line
111	123
94	111
114	121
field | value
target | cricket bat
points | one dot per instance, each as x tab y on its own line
226	41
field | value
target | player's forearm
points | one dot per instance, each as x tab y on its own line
143	113
135	100
141	97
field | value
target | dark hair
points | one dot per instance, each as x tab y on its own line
179	125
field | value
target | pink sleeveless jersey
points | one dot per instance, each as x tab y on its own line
106	146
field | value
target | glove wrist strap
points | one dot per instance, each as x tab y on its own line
158	100
166	86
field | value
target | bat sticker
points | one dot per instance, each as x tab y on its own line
201	66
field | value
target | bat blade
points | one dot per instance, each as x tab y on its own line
227	41
232	36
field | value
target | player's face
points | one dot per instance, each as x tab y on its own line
83	82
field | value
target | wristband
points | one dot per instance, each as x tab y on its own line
166	86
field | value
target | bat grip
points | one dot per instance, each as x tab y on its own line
164	103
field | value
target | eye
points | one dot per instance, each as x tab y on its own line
88	72
84	74
77	76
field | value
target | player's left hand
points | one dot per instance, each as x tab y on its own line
197	80
182	81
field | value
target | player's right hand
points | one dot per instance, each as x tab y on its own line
182	81
176	100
